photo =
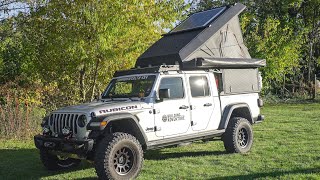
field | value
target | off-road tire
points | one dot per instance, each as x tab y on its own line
238	137
53	162
113	153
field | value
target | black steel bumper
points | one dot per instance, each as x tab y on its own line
64	145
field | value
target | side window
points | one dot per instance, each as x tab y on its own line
199	86
175	85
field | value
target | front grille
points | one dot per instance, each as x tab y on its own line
60	120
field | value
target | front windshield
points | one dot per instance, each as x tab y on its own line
128	87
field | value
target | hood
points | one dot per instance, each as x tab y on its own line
102	107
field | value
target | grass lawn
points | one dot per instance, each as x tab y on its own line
286	146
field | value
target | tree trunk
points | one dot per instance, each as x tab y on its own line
81	81
283	86
93	88
314	94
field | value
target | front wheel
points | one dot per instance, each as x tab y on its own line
238	136
118	156
54	162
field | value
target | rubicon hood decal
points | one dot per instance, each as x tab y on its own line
116	109
100	108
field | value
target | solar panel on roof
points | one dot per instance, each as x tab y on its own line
198	20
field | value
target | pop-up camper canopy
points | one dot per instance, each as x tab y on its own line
213	36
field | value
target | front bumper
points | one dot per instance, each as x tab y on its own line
64	145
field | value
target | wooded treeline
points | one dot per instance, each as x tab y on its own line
65	52
287	34
62	52
59	52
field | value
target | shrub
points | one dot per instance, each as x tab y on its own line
20	118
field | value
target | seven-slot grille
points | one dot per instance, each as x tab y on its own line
60	120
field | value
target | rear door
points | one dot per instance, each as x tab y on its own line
201	101
172	116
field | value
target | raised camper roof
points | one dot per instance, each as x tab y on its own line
208	39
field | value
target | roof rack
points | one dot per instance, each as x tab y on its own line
199	64
150	69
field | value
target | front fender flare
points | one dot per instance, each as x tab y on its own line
95	124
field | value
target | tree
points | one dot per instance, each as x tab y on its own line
78	45
284	32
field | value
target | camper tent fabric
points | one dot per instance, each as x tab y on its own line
221	38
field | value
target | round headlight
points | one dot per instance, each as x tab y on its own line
82	121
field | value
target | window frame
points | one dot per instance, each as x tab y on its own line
183	87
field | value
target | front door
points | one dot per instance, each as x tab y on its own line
172	115
201	101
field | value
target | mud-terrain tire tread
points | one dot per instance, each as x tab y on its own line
230	135
105	149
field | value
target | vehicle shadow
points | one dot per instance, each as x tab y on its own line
26	164
158	155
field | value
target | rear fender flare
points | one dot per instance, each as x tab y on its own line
230	109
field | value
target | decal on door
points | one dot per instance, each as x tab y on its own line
172	117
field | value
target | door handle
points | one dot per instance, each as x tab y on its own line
183	107
207	104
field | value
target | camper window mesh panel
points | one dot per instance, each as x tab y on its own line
240	80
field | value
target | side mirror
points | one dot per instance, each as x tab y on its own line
164	94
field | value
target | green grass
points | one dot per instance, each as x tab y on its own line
286	146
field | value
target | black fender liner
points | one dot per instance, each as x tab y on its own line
240	109
117	117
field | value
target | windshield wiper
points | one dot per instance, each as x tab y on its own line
134	98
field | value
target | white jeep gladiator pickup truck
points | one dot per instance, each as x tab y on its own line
171	97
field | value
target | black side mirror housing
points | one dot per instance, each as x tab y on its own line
164	94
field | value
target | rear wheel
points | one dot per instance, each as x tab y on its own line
118	156
55	162
238	136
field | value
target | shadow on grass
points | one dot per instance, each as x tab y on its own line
158	155
26	164
275	174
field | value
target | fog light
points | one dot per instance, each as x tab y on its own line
46	130
66	131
